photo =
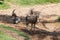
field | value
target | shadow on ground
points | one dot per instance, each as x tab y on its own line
42	34
8	19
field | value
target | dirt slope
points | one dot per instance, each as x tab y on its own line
44	9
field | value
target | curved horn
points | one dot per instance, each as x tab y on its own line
31	11
13	10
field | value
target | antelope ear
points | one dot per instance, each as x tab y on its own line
13	11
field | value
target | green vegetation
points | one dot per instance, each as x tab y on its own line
58	19
32	2
4	36
53	1
4	6
16	31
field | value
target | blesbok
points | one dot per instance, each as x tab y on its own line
15	18
31	19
